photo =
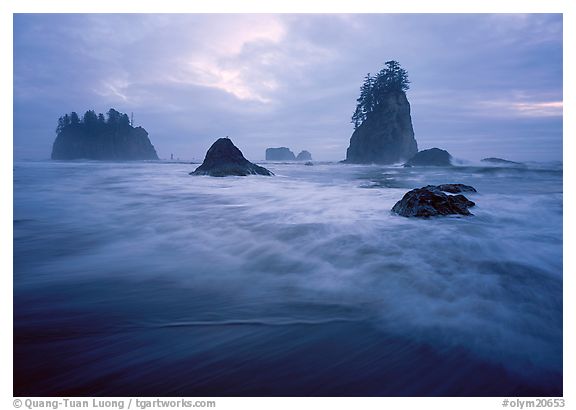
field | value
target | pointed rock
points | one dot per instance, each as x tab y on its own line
224	159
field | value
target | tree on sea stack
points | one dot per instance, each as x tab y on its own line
383	131
374	89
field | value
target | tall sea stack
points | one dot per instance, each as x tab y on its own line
386	135
383	131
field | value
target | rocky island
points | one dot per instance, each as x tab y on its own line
383	132
96	137
225	159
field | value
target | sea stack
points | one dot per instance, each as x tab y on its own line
224	159
94	137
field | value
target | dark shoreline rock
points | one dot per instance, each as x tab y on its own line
431	157
431	201
225	159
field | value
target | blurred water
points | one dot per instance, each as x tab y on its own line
138	279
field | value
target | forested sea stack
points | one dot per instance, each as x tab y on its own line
383	131
96	137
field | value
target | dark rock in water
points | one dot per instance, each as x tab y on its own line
386	135
309	163
456	188
430	157
304	156
431	201
224	159
500	161
279	154
93	137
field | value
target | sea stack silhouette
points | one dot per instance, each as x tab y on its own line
225	159
94	137
304	156
383	131
280	154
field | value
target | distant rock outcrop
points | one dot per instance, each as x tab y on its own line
94	137
431	157
500	161
224	159
431	201
386	135
304	156
280	154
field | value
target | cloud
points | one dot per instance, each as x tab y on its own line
284	79
529	109
220	65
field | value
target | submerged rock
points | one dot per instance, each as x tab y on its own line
224	159
386	135
431	157
431	201
304	156
279	154
500	161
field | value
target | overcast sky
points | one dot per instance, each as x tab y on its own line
482	85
